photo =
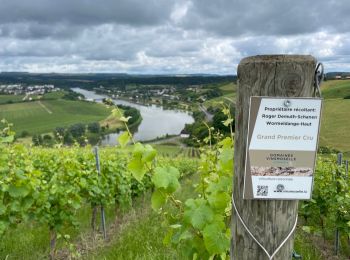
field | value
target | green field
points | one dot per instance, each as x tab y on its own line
335	115
44	116
335	89
336	124
228	88
54	95
5	99
229	96
214	102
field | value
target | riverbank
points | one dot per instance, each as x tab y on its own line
156	120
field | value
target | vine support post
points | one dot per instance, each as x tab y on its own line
270	221
53	239
103	218
337	232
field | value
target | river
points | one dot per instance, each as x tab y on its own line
156	121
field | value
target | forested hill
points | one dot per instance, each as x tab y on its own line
109	79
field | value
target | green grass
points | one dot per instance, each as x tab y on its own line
176	150
335	89
304	247
142	237
335	115
167	150
228	98
44	116
31	241
228	88
54	95
335	124
5	99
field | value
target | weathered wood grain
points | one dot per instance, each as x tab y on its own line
269	220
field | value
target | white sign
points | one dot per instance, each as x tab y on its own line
281	147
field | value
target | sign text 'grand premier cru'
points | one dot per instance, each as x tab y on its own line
281	148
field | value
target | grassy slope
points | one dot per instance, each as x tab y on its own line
54	95
36	118
336	124
229	95
228	88
335	118
336	89
142	236
4	99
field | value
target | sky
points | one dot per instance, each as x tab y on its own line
168	36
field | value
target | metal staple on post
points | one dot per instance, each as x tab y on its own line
103	219
319	74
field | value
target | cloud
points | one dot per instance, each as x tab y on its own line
168	36
268	17
85	12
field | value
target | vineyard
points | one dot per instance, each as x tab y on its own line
327	214
50	187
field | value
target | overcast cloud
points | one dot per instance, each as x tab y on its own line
168	36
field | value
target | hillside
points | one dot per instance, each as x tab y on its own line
44	116
335	115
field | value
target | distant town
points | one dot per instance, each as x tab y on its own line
21	89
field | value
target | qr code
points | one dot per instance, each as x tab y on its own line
262	190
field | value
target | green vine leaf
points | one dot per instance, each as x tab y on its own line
166	178
137	168
215	239
219	201
124	139
149	153
18	191
158	199
198	213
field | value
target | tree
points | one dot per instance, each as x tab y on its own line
68	138
218	119
47	140
77	130
59	131
94	127
24	133
37	139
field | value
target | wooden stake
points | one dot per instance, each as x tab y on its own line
53	239
103	219
270	221
337	232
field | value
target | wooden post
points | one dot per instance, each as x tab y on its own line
269	221
337	177
103	218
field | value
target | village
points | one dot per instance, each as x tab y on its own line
27	91
165	95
